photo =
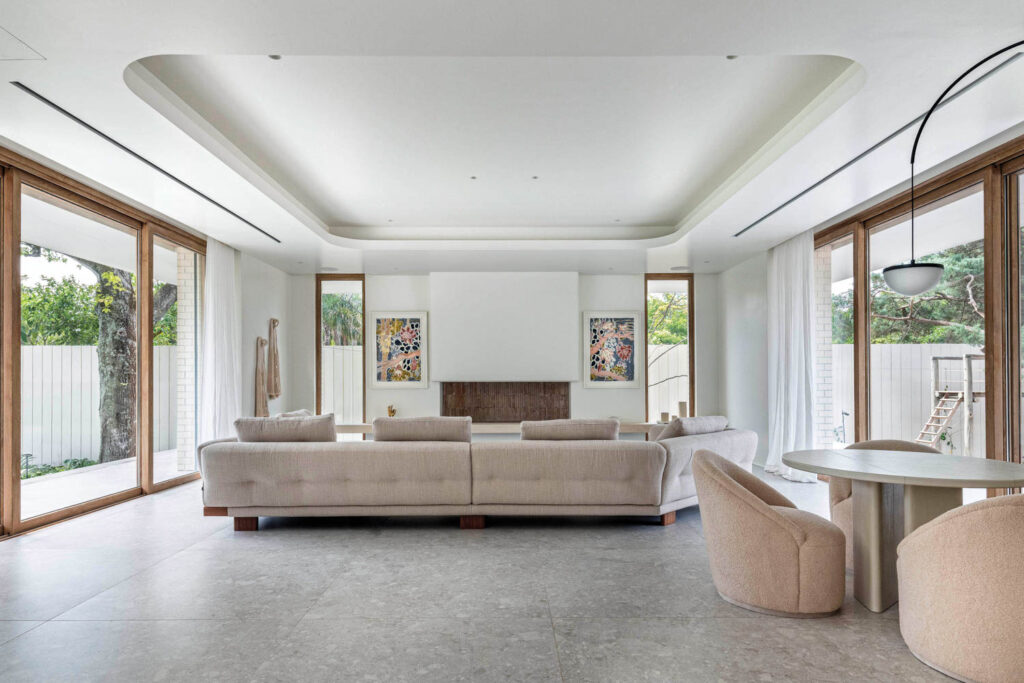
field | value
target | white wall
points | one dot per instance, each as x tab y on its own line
610	293
266	293
707	352
743	325
399	293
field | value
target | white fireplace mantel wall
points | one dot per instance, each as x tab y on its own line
268	291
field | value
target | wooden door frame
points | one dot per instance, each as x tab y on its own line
691	340
17	171
318	292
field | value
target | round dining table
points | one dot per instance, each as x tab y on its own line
895	492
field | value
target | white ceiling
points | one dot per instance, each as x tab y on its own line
507	142
381	109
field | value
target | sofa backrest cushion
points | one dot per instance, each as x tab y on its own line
691	426
423	429
570	430
292	429
301	412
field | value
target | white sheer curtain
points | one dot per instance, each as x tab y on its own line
220	398
791	353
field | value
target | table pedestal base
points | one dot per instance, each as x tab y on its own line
882	515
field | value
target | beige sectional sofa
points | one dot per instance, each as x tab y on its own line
430	466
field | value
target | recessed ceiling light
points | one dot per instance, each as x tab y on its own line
275	57
536	177
679	268
390	221
732	56
328	269
472	177
707	262
618	220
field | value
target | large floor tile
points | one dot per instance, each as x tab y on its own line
10	630
111	651
438	582
717	649
205	584
40	584
415	650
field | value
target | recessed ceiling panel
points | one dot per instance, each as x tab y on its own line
518	142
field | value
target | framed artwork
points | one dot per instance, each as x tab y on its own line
610	349
399	350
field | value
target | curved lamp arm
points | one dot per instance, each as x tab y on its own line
924	122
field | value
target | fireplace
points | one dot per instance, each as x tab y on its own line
505	401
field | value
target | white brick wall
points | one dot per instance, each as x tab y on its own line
190	278
823	427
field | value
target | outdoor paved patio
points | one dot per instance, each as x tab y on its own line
50	492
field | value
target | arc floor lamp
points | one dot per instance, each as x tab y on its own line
915	278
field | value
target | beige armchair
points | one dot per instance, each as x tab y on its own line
766	555
962	591
840	490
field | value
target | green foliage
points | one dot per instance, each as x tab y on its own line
65	312
667	318
952	313
341	319
28	470
59	312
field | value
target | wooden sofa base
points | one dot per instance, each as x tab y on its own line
470	516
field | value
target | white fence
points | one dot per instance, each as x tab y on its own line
668	378
900	387
341	382
60	397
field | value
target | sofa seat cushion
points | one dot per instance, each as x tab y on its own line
567	472
318	428
570	430
423	429
341	473
692	426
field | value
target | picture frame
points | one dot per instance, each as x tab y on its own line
610	355
399	358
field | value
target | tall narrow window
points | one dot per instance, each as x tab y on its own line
340	322
79	355
177	316
927	351
670	351
834	417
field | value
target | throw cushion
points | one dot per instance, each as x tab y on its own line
570	430
301	412
293	429
423	429
690	426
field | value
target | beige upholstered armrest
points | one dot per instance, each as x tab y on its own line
200	447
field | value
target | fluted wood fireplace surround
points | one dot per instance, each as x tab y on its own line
505	401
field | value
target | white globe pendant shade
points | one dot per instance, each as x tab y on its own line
911	279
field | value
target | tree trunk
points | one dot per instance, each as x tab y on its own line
117	351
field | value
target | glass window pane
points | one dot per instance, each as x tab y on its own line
834	417
79	356
668	349
927	362
341	351
177	316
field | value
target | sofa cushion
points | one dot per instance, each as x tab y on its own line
292	429
423	429
556	472
301	412
690	426
570	430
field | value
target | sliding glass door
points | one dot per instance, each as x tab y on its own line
340	353
670	347
79	355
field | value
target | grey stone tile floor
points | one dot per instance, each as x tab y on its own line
151	590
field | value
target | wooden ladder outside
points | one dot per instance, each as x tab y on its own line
942	414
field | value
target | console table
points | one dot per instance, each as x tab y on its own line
503	428
895	492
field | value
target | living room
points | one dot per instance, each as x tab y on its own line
511	341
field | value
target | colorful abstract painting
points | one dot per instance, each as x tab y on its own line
400	349
611	349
